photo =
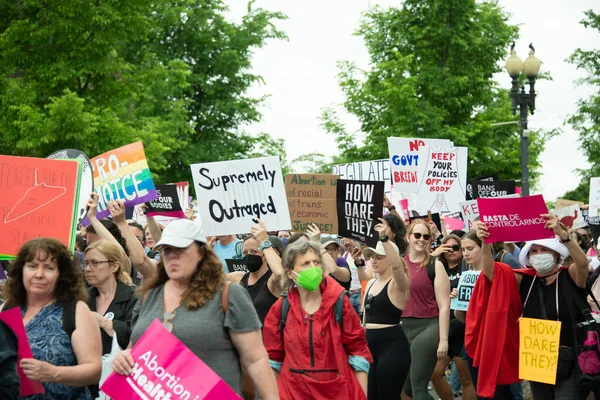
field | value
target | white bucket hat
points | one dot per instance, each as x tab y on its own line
379	250
552	244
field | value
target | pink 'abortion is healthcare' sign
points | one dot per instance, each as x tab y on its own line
165	369
516	219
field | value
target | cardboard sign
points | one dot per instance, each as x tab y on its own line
465	289
571	216
312	200
405	160
359	204
435	217
164	365
38	198
376	170
514	219
235	265
486	189
443	179
87	176
594	203
538	349
122	174
12	318
168	203
562	203
470	195
470	213
231	194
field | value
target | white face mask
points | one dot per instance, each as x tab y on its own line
543	263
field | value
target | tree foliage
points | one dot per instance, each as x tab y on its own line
95	75
431	76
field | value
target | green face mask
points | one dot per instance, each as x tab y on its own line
310	278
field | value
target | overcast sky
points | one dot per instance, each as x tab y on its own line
300	74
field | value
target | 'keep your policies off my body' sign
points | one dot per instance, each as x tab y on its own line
231	194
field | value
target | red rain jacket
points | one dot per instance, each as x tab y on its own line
314	350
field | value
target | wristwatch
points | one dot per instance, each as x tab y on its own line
383	239
265	245
568	239
392	208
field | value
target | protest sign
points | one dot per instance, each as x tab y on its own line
562	203
571	216
235	265
376	170
312	200
594	203
13	319
538	350
232	194
470	195
465	288
453	224
515	219
443	176
359	205
38	198
164	368
482	189
470	213
87	177
435	217
405	157
168	203
122	174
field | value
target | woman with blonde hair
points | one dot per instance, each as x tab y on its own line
426	315
189	295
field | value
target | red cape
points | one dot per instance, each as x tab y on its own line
492	329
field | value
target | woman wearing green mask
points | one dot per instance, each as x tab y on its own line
313	335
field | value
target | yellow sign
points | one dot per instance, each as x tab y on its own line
538	350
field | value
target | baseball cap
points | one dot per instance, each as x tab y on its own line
379	250
181	233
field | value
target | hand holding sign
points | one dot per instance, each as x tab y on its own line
92	206
117	210
482	230
381	228
123	363
37	370
386	202
314	233
558	227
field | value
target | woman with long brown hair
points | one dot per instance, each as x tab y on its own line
186	294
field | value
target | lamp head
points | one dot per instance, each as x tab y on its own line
514	64
532	64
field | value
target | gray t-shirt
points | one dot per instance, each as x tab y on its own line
202	330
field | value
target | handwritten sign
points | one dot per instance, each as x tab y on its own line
488	189
594	203
405	159
312	200
376	170
571	216
443	179
12	318
168	202
538	350
164	368
465	289
359	204
38	198
231	194
122	174
514	219
235	265
470	213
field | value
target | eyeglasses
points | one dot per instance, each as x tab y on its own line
455	247
368	301
141	239
167	318
94	263
418	236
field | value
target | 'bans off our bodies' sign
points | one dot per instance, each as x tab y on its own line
359	204
231	194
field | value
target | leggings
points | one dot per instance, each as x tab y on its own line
391	362
423	335
503	392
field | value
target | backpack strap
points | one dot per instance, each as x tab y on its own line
431	269
338	309
225	297
285	308
68	320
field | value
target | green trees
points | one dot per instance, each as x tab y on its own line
95	75
431	75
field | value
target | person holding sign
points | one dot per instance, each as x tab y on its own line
539	292
426	315
316	345
385	298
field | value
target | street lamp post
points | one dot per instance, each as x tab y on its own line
525	102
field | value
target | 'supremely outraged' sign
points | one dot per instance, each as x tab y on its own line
376	170
122	174
232	194
164	368
311	200
516	219
359	205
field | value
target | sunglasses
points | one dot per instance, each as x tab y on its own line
167	318
418	236
455	247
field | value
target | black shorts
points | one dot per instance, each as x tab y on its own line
456	338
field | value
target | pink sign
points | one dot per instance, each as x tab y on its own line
166	369
453	224
514	219
12	318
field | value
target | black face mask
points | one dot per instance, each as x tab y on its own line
253	262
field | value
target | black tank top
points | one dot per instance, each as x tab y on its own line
380	310
262	298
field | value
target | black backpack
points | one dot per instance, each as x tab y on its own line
338	310
68	321
431	269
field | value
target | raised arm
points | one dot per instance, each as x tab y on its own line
487	258
388	204
153	227
359	262
273	259
396	263
341	274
